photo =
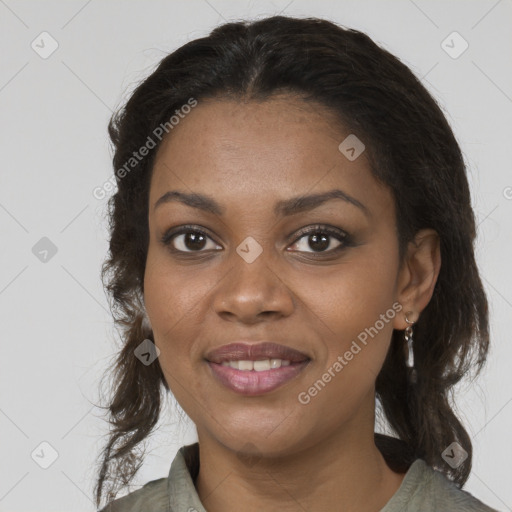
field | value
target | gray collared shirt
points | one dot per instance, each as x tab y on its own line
423	489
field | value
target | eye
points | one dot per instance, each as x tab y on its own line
320	239
188	239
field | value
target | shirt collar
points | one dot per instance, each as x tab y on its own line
183	496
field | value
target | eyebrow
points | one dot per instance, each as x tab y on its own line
282	208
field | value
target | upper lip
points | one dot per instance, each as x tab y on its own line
242	351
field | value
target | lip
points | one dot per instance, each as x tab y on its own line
241	351
251	382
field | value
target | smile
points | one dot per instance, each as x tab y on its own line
252	378
257	366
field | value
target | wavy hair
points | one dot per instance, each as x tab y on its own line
411	149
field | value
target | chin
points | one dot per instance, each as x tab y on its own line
254	440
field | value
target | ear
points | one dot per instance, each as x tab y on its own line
417	276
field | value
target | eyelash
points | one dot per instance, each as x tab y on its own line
340	235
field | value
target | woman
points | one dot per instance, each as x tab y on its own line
292	238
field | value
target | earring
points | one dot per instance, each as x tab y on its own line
409	362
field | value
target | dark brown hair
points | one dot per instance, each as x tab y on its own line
411	149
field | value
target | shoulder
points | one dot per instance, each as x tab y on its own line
152	496
444	491
427	490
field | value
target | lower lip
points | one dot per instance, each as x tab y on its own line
253	383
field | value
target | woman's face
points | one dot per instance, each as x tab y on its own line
257	277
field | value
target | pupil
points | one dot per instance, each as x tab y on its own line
196	241
323	244
192	241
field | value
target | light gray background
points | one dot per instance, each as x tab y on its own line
57	334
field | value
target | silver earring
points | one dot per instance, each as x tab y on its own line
409	362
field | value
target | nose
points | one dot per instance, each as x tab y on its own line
252	292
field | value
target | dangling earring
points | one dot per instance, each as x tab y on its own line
409	362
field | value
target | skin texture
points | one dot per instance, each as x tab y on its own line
270	452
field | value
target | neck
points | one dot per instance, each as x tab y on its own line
345	472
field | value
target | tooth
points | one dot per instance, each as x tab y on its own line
245	365
258	366
261	366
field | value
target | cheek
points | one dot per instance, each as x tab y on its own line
176	305
168	301
172	295
355	306
353	295
171	302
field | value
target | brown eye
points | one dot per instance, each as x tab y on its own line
321	239
188	239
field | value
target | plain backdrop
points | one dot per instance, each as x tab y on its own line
57	333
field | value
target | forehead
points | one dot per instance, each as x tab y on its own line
260	150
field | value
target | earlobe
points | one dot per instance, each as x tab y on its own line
418	275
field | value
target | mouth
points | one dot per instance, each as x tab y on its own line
255	369
242	351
